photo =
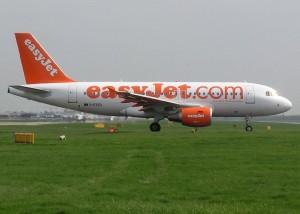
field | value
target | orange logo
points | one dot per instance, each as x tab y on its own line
93	92
38	56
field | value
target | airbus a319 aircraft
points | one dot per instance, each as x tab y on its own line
190	103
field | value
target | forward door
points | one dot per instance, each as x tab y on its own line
250	95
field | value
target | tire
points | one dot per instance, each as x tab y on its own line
249	128
155	127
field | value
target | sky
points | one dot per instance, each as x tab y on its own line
154	40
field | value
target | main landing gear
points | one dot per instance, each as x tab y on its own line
155	127
248	127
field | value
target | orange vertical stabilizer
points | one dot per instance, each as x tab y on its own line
37	64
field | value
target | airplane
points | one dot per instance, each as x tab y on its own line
190	103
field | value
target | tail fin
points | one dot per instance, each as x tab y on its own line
37	64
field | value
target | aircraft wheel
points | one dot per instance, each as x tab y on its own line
155	127
249	128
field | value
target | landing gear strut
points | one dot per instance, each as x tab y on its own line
248	128
155	127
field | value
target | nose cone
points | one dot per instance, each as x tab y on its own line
286	104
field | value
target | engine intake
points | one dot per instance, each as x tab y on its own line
193	116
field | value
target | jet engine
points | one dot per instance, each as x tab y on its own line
193	116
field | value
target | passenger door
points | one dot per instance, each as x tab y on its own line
250	95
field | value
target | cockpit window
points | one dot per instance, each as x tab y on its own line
268	93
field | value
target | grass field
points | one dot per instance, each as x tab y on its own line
220	169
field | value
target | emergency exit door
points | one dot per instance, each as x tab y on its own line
72	94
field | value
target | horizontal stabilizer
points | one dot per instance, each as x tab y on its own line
29	89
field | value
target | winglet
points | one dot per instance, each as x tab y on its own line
37	64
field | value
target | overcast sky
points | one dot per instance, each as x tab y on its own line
166	40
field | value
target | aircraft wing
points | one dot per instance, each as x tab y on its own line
148	102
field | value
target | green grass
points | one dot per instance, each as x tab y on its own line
220	169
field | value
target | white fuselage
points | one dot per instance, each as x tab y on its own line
227	99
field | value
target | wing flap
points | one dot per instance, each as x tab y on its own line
144	101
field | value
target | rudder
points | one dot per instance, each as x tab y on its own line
37	64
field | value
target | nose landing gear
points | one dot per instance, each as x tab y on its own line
248	127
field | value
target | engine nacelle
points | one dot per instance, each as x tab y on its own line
193	116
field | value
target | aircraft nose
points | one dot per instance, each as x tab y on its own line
287	104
